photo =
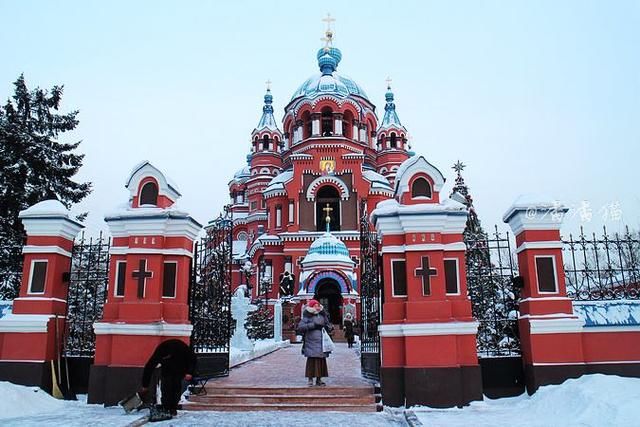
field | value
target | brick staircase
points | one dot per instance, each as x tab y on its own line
247	398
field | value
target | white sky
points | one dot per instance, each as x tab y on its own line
539	97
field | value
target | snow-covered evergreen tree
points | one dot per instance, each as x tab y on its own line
259	323
34	164
493	299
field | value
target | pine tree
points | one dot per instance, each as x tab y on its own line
34	164
259	323
493	300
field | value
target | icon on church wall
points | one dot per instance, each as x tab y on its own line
328	167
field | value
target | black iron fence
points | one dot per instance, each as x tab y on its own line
602	267
494	295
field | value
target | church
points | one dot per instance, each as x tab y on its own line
296	205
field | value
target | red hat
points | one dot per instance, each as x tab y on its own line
313	303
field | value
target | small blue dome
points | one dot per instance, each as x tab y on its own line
328	244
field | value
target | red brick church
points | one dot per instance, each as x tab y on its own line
330	154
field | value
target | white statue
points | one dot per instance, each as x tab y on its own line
240	307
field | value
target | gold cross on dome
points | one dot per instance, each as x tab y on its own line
268	83
388	80
328	209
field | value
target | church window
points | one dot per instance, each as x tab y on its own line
399	277
421	188
254	206
307	125
242	236
38	276
265	142
121	275
169	279
451	283
278	216
393	140
327	122
291	211
149	194
546	274
328	201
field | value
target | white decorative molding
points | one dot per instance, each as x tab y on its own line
534	213
125	250
413	166
565	325
26	323
162	329
33	249
545	299
326	179
428	329
613	328
40	299
397	249
539	245
603	362
144	169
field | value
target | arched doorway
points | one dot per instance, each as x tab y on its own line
328	293
328	195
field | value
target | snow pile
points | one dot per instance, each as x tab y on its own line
261	348
20	401
5	308
608	313
591	400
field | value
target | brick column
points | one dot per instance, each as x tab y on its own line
28	340
549	330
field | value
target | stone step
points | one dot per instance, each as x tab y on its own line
336	407
307	399
302	390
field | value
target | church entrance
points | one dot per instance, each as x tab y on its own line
328	293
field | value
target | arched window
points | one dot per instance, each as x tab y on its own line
328	196
421	188
347	125
393	140
242	236
307	125
327	122
149	194
265	142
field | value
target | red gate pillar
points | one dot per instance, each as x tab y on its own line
428	336
147	296
28	339
549	330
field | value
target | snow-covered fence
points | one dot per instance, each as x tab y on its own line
605	267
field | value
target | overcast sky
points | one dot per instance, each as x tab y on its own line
538	96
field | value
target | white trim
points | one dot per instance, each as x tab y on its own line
21	361
547	244
545	299
612	328
428	329
46	273
556	326
33	249
393	280
555	274
115	283
161	329
175	283
40	299
602	362
457	275
25	323
547	316
125	250
397	249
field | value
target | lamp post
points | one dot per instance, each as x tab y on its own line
264	281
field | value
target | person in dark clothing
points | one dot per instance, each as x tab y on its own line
177	362
347	325
314	320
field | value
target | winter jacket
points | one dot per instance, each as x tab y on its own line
175	357
348	329
310	327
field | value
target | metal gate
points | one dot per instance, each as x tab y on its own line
210	298
494	289
370	297
87	281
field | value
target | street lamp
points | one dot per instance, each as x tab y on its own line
265	282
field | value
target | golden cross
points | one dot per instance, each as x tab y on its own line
328	209
388	80
268	83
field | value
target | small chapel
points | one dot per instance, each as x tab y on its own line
297	204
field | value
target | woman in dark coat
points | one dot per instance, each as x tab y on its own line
314	320
347	324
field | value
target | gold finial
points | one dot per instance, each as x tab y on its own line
388	80
328	34
328	210
268	83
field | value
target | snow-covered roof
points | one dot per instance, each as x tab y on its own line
608	313
533	202
377	181
45	208
414	165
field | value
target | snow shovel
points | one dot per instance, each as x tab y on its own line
131	403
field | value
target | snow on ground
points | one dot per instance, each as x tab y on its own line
592	400
262	347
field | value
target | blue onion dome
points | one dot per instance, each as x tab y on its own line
390	118
267	120
389	95
328	244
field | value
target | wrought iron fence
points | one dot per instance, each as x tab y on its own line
494	296
11	260
604	267
87	293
